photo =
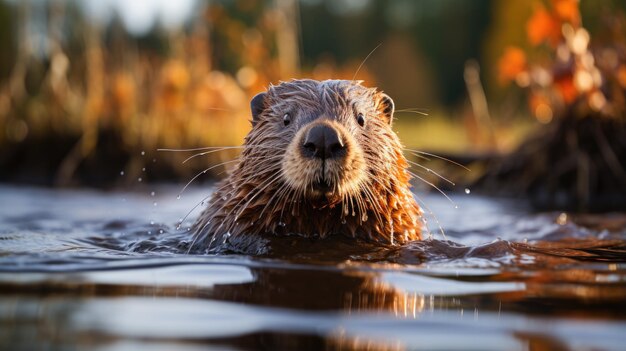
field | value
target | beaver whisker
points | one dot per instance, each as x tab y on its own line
414	112
432	171
280	191
432	214
250	177
211	148
255	192
356	206
368	193
287	192
206	153
434	187
388	192
365	59
223	149
283	195
193	242
419	153
421	109
343	205
354	202
391	231
363	207
200	148
200	232
351	198
419	156
258	192
201	202
204	172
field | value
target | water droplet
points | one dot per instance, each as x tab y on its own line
281	224
456	206
161	231
343	221
180	220
364	217
178	197
154	204
139	179
467	191
151	222
143	153
188	228
121	172
224	198
143	169
149	232
152	193
178	227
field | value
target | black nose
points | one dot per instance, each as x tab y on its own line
323	141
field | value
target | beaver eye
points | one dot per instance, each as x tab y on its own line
360	119
286	119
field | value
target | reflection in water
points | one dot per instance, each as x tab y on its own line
298	306
77	276
101	321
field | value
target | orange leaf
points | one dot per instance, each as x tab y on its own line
621	76
566	87
542	26
567	10
511	64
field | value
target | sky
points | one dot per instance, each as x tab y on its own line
140	15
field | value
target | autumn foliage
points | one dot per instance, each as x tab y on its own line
575	85
562	69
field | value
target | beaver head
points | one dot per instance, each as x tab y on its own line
321	159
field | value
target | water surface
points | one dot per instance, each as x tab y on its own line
109	271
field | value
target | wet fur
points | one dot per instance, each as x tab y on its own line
266	195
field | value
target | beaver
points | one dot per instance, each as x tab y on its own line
320	160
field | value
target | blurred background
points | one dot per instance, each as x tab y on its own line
89	90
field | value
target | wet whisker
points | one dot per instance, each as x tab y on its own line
429	170
204	172
364	60
420	153
434	187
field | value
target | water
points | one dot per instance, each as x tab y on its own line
109	271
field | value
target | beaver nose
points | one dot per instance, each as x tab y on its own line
323	141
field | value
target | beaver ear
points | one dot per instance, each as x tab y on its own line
387	107
257	105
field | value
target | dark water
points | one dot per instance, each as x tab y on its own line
108	271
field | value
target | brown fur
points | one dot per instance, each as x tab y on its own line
268	192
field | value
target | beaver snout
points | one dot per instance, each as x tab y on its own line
324	142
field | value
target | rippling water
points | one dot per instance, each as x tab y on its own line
109	271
